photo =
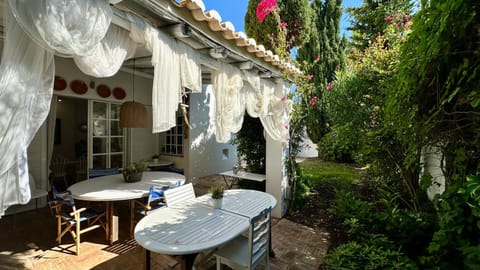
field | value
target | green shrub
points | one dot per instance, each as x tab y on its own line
302	190
376	253
456	243
338	145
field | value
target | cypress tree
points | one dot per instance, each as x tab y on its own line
320	57
297	16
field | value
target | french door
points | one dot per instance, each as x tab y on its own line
107	140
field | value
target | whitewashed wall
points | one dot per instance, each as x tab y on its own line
206	156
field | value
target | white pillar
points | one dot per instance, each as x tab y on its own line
276	173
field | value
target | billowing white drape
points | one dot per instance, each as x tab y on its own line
68	27
267	100
253	94
166	77
34	30
166	81
105	59
230	99
26	84
276	114
190	68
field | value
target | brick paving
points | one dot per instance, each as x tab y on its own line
27	241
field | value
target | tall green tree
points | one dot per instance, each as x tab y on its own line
297	15
372	18
281	30
319	58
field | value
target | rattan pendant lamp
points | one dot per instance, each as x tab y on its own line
133	114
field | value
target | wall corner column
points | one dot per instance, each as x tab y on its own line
277	180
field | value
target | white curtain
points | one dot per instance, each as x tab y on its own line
166	81
105	59
69	28
276	116
267	100
34	30
253	94
26	84
166	77
190	68
230	99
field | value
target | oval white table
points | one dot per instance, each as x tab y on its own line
113	188
194	226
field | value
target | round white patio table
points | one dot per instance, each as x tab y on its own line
194	226
111	188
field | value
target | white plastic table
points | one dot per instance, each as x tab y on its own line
242	175
195	226
160	164
113	188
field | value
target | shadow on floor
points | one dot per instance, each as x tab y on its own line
27	241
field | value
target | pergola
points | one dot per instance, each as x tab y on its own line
173	42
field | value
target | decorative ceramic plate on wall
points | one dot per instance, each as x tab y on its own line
79	87
59	83
103	90
119	93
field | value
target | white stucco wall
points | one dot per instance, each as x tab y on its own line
206	156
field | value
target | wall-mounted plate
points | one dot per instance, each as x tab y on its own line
119	93
103	91
59	83
79	87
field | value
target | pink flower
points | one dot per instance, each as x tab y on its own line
318	58
264	8
389	18
286	126
283	24
284	98
329	86
313	101
309	77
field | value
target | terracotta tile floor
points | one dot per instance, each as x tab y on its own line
27	241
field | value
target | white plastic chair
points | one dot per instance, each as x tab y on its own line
247	253
179	194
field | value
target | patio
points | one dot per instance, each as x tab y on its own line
24	246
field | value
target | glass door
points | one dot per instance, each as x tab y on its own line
107	142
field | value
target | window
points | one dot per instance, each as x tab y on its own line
173	139
107	138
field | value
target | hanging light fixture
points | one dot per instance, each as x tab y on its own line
133	114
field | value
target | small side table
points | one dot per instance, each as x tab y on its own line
234	177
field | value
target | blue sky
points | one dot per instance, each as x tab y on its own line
234	11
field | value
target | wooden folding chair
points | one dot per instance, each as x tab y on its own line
70	219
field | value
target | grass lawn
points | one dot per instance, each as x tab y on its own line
338	174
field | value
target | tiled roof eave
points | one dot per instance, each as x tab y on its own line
210	24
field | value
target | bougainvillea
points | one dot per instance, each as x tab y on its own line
264	8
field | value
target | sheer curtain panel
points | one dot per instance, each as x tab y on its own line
105	59
69	28
230	99
26	84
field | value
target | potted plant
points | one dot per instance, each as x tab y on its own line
217	196
155	158
134	171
